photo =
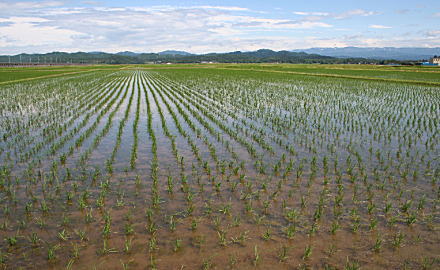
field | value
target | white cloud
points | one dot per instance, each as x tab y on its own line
29	31
17	20
378	26
355	13
317	15
14	5
223	8
433	33
197	29
311	13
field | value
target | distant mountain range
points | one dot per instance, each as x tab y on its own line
170	52
410	53
260	56
313	55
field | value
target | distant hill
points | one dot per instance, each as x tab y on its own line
127	57
127	53
409	53
262	56
170	52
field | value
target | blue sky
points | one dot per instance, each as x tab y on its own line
215	26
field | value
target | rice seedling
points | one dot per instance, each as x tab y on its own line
397	239
241	239
378	244
105	249
307	252
351	265
127	245
257	257
51	252
177	245
283	253
201	158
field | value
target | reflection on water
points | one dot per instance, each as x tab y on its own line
251	172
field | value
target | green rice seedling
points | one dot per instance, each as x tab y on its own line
207	264
89	216
258	219
378	244
127	245
371	208
217	223
303	202
126	265
177	245
4	226
241	239
194	224
170	185
334	227
397	239
105	249
222	238
257	257
152	244
75	251
351	265
232	260
406	206
410	219
51	251
392	220
82	235
3	258
422	202
267	235
106	229
313	228
12	240
428	263
331	250
153	263
307	252
236	221
70	264
63	235
128	229
373	223
292	215
225	209
290	231
283	253
34	239
387	207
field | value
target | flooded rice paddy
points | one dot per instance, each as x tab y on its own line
218	169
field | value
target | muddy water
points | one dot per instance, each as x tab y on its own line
227	208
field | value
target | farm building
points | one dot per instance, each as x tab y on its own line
435	60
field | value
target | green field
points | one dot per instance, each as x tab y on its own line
413	74
363	71
17	74
220	166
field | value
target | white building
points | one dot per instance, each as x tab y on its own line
435	60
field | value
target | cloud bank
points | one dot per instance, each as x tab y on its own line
44	26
